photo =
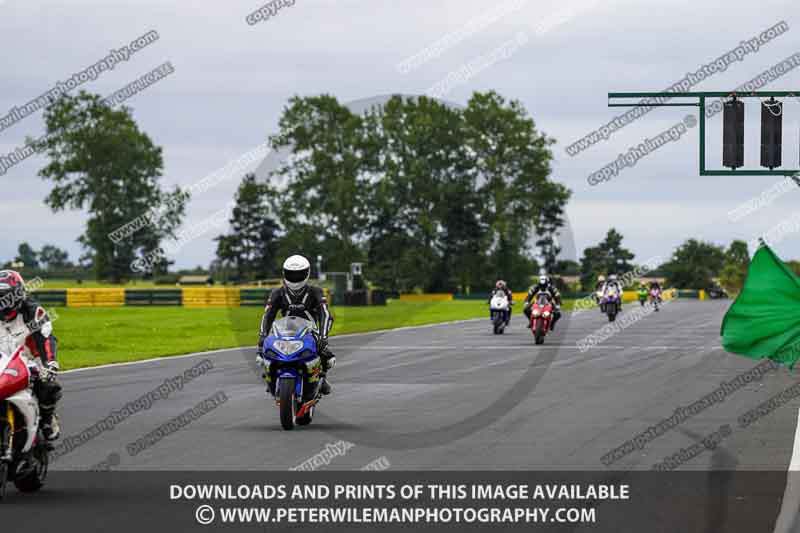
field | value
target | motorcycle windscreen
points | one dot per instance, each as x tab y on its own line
290	326
764	320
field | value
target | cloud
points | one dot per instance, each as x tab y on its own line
232	81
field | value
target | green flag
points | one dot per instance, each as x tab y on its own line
764	321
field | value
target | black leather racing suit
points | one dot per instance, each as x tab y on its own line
309	303
555	296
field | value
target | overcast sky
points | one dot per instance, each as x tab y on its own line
232	79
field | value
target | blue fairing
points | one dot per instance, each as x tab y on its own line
291	364
302	354
611	299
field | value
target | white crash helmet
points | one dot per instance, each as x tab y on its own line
612	277
543	280
296	270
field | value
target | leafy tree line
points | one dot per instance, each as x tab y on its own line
100	161
693	265
49	258
427	196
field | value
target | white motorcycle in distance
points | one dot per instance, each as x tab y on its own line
499	306
24	452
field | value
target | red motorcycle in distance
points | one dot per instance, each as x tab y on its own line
541	316
24	453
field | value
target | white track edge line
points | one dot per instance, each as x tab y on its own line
210	352
787	517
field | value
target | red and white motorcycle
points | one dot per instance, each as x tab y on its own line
541	316
24	452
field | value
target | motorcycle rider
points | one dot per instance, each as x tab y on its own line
601	281
655	285
642	293
297	298
24	322
614	283
503	287
544	285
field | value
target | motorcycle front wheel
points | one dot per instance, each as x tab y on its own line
5	431
308	395
288	403
34	480
538	334
3	480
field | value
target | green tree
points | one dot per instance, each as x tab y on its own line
426	198
592	266
51	257
513	159
435	198
324	180
568	267
693	265
794	265
738	253
27	256
608	257
734	270
617	258
100	161
251	247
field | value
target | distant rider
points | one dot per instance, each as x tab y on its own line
612	283
601	281
297	298
656	286
24	322
642	293
501	286
544	285
598	287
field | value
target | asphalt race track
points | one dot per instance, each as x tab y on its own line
456	397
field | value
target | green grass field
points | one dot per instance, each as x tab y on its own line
96	336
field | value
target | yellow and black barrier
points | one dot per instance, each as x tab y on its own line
426	297
211	297
95	297
199	297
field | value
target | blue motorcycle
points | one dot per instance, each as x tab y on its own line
611	304
293	369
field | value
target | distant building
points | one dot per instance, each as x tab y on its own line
196	280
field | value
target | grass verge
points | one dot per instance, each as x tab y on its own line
97	336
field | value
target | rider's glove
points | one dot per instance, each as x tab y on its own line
50	370
322	345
